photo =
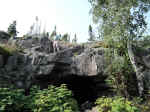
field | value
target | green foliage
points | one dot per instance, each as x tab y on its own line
120	76
142	104
74	40
54	33
91	35
145	107
65	37
12	29
4	35
53	99
12	100
115	104
145	41
120	22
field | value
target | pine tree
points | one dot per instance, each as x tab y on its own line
65	37
54	33
12	29
91	35
74	40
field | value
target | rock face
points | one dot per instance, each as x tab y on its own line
77	60
90	62
79	67
1	61
38	64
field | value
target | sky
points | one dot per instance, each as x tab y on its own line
69	16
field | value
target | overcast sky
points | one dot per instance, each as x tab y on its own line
70	16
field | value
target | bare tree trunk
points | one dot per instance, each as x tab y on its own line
137	68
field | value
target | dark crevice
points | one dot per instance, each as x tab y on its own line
84	88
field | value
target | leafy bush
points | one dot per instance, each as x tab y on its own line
143	105
53	99
121	76
115	104
12	100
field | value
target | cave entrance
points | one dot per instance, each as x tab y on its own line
84	88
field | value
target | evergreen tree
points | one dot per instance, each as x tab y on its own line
74	40
91	35
12	29
54	33
65	37
31	29
37	27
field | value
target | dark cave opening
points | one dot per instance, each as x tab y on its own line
84	88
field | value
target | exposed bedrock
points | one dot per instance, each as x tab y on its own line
80	67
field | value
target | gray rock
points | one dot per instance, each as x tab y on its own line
89	62
23	68
12	63
1	61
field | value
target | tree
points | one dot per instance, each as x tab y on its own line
12	29
91	35
121	22
54	33
31	29
37	26
74	40
65	37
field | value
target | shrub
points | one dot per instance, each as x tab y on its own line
54	99
121	76
115	104
12	100
143	105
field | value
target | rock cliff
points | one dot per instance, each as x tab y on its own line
79	66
